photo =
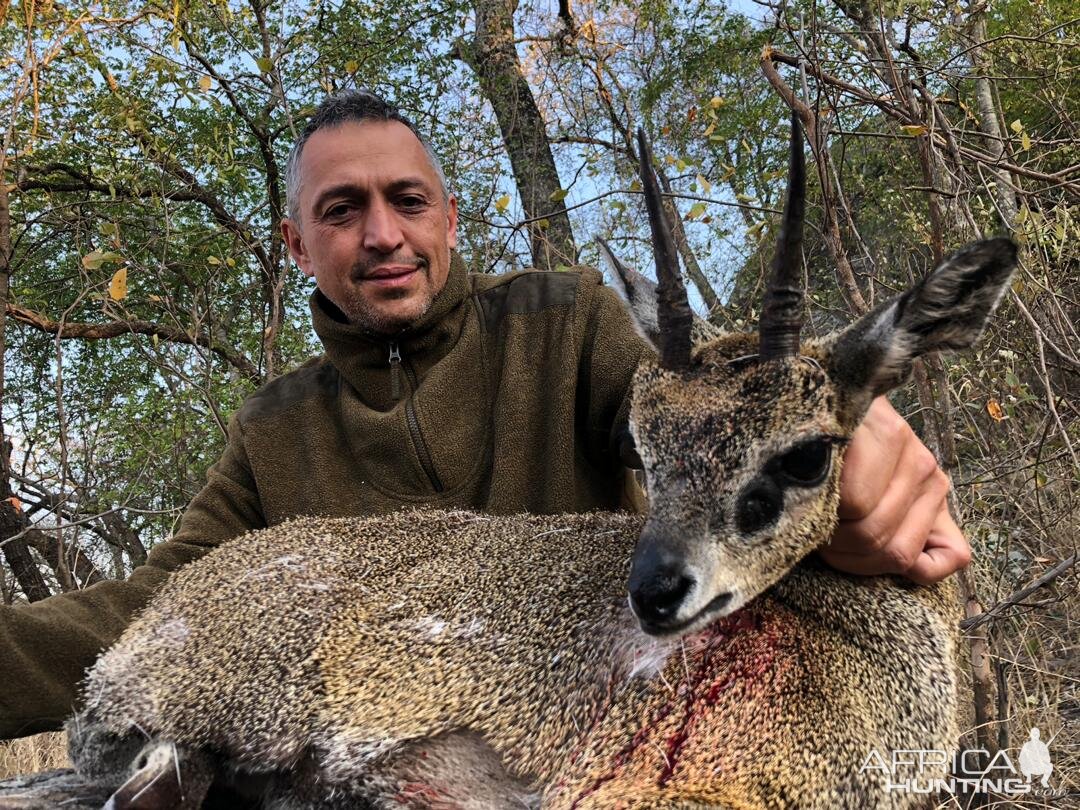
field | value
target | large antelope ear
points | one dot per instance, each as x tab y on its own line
946	310
641	295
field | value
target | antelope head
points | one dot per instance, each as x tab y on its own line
742	435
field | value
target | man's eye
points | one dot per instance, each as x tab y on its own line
412	202
338	210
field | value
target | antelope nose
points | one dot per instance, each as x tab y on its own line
657	591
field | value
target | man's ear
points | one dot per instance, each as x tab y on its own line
946	310
294	240
451	221
640	295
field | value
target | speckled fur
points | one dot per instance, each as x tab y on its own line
516	632
376	653
450	659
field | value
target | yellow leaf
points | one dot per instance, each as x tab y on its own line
994	409
231	262
502	203
205	83
1016	126
213	260
558	195
118	285
1025	141
706	186
352	66
709	130
914	130
716	102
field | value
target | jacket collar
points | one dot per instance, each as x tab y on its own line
362	357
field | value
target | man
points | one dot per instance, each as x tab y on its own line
497	393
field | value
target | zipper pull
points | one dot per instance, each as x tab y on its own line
395	372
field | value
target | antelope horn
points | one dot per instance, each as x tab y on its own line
782	309
673	315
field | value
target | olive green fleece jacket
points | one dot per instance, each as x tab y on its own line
505	397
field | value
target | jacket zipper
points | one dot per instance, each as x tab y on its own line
411	418
395	372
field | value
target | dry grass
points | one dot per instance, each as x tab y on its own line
42	752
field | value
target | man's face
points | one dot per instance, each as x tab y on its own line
374	229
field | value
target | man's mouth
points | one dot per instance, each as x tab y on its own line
390	275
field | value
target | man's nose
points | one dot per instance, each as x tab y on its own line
382	233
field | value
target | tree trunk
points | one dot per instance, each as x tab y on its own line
830	227
493	58
16	552
78	571
682	244
1004	194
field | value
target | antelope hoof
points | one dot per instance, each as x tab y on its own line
165	777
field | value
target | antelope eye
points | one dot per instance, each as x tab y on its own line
806	464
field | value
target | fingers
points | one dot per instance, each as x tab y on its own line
907	505
895	548
872	459
946	552
893	510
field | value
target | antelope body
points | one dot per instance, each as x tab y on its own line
450	659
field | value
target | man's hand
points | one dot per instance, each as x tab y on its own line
893	514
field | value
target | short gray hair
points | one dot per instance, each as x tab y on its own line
340	108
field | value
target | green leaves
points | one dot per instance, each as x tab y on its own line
96	258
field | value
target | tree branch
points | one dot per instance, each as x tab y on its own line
1020	595
100	331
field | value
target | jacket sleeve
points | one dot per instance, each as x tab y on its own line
46	646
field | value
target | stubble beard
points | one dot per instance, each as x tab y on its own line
374	317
